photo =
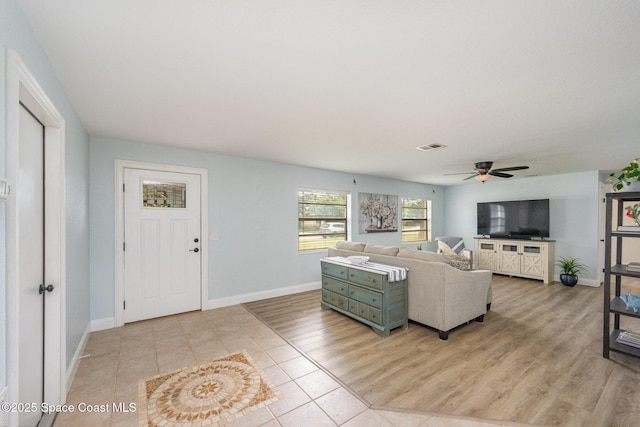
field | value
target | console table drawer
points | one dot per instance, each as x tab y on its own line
335	299
339	271
335	286
366	278
371	298
366	312
375	315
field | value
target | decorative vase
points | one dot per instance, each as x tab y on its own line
568	279
379	222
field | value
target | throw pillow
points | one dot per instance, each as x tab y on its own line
459	262
350	246
445	249
450	245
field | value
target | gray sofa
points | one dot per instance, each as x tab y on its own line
440	296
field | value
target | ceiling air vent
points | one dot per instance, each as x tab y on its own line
430	147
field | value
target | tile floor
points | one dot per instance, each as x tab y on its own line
115	359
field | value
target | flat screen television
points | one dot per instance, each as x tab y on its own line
516	219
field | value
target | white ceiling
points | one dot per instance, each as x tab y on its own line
356	85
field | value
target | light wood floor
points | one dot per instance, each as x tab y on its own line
537	358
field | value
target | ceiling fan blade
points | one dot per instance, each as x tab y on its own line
459	173
500	174
513	168
472	176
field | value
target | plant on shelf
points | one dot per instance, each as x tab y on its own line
628	176
570	269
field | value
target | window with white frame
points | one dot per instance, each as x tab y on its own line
323	218
416	220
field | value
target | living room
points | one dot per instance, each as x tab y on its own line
252	180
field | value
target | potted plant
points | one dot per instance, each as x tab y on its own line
628	178
570	269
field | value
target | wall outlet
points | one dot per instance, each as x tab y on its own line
213	236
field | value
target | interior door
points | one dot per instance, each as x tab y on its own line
162	262
30	195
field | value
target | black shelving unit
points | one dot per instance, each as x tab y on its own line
614	271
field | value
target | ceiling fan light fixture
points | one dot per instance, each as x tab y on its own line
484	177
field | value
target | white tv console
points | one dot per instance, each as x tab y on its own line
533	259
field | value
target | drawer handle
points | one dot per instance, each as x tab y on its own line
374	300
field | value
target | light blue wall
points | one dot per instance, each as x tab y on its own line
17	35
573	210
252	207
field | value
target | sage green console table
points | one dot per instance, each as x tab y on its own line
365	294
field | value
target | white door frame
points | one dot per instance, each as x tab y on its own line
22	87
119	168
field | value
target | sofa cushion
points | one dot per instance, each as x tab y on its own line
422	255
350	246
381	250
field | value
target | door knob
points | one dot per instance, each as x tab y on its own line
194	250
42	289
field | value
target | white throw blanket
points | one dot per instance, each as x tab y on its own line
394	274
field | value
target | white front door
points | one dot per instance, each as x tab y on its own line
162	242
31	258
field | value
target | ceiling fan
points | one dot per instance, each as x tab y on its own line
483	171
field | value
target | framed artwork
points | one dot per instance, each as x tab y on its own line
378	213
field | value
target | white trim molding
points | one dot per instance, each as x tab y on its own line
22	87
119	167
102	324
75	361
256	296
109	322
582	281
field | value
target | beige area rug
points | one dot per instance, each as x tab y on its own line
211	394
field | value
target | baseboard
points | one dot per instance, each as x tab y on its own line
109	322
255	296
102	324
589	282
594	283
75	361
